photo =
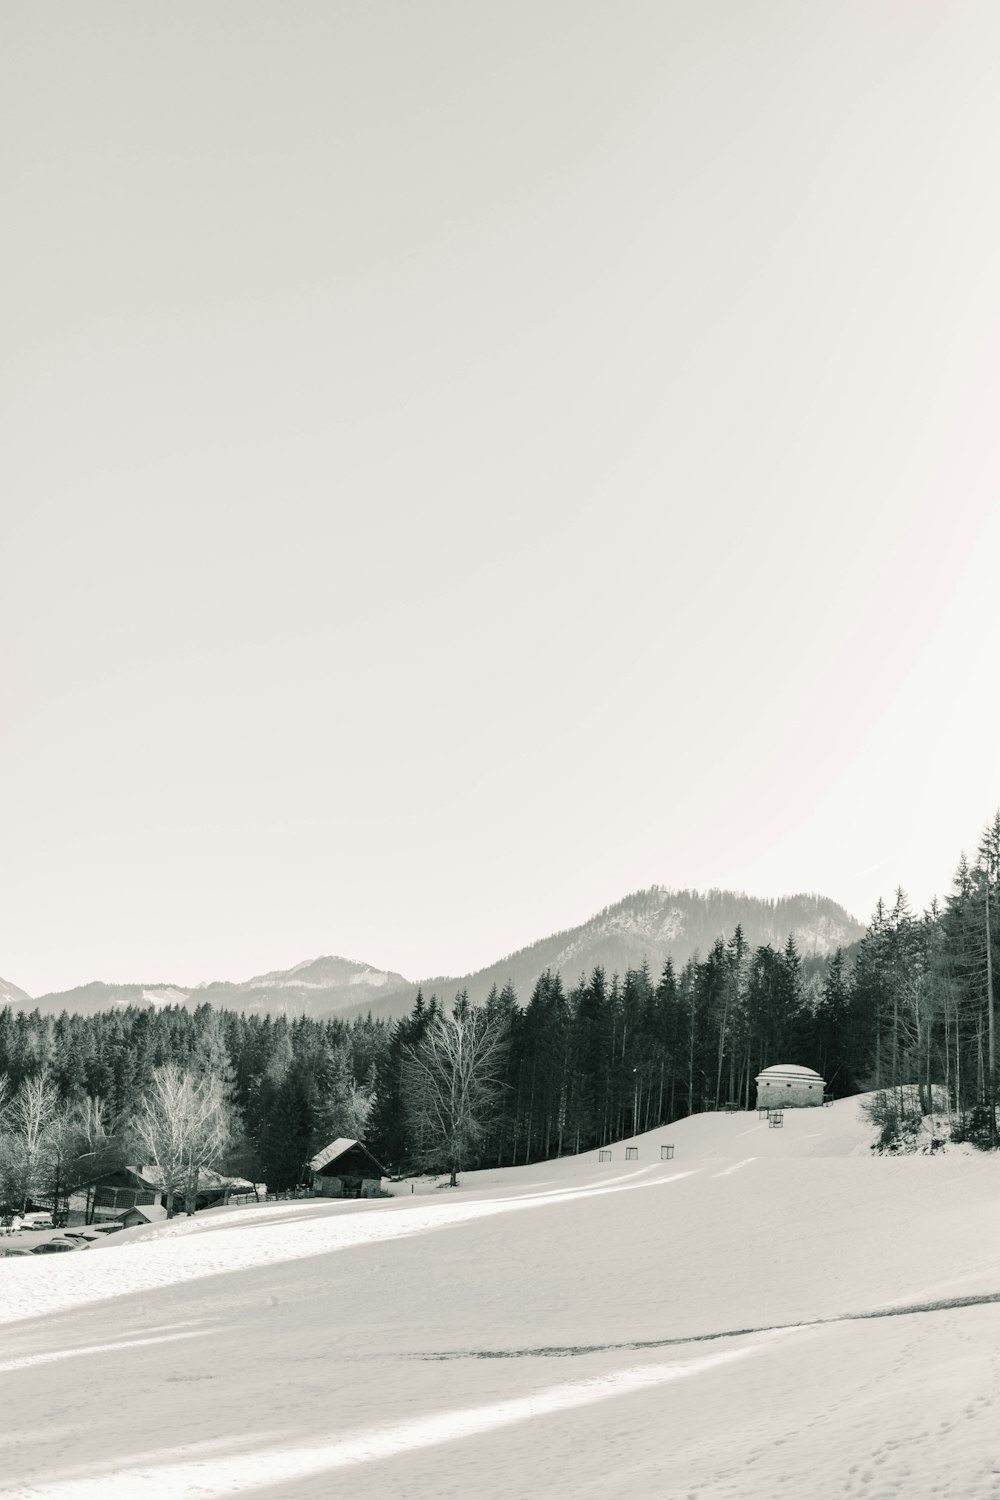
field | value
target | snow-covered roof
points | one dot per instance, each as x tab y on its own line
789	1070
330	1153
340	1147
208	1181
151	1212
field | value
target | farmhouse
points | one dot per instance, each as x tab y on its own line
789	1086
346	1169
111	1195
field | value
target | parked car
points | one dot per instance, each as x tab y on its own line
7	1250
53	1247
42	1219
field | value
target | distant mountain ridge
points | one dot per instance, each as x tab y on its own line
650	925
657	924
11	995
317	987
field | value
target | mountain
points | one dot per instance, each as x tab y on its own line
317	987
11	995
654	925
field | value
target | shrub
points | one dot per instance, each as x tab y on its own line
897	1119
973	1125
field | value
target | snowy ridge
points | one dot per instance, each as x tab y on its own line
315	986
324	973
167	995
11	995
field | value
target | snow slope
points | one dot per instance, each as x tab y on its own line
764	1314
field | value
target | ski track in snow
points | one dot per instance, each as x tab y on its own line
728	1171
572	1351
236	1474
52	1356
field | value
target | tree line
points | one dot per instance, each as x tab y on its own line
908	1011
180	1091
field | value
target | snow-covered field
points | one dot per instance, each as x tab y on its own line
769	1313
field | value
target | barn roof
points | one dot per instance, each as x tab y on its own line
338	1148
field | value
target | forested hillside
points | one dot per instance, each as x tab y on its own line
656	924
519	1079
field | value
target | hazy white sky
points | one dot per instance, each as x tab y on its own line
462	462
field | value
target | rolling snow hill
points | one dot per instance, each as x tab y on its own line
769	1312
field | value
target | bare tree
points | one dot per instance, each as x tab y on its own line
452	1083
183	1127
9	1174
29	1125
48	1149
90	1141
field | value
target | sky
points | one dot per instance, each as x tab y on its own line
462	463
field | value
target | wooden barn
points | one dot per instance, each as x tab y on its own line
346	1169
789	1086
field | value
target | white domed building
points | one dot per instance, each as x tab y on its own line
789	1086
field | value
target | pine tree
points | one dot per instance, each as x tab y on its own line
832	1026
989	868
